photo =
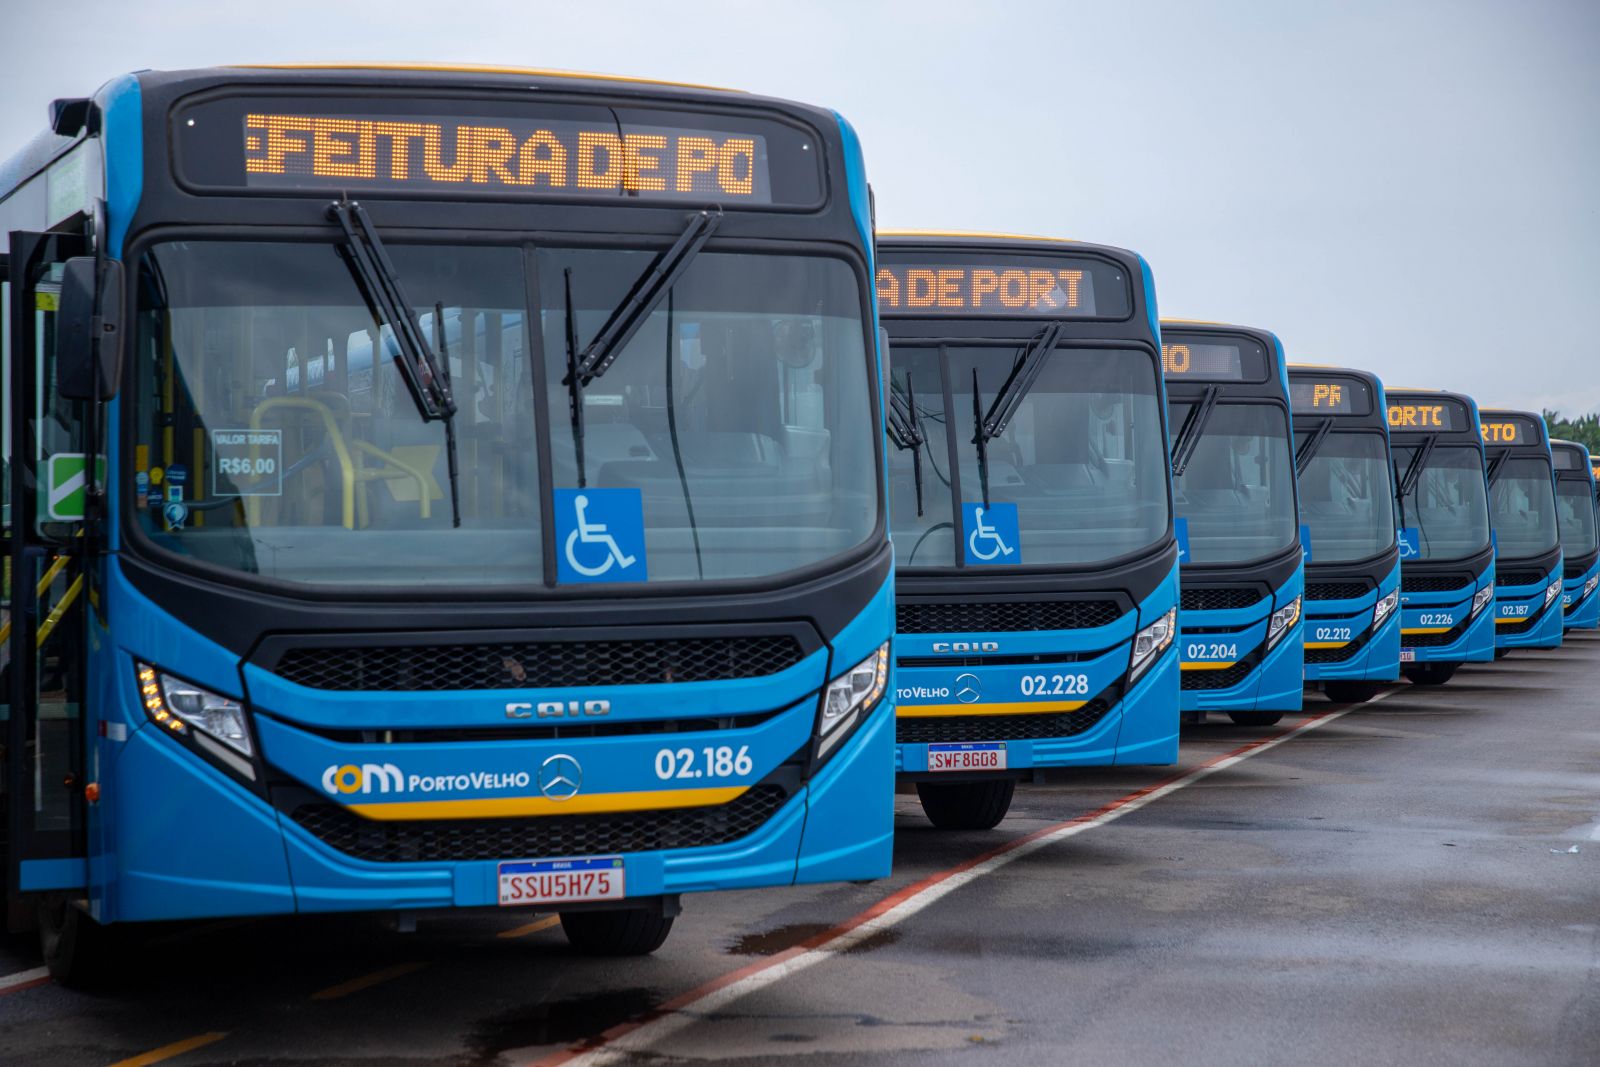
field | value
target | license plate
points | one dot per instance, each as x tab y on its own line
1408	655
561	881
970	756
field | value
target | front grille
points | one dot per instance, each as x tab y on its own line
544	664
1521	626
433	841
1432	583
1575	570
932	730
1518	578
1003	616
1336	590
1217	598
1439	640
1196	681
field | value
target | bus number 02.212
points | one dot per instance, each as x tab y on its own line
1055	685
719	761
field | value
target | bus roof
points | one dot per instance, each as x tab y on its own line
482	68
982	235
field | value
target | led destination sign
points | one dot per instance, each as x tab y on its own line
541	149
1508	430
1445	416
1329	396
1191	358
1023	286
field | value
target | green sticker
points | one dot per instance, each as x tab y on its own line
66	485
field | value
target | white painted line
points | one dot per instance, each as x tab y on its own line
23	977
631	1038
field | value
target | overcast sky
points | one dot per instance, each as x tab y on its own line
1408	187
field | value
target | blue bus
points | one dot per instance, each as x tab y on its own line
1347	509
1233	487
1446	553
577	599
1036	571
1527	531
1580	548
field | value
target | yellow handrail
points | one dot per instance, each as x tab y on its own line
423	494
347	467
47	627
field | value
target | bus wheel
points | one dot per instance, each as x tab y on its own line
1431	673
1351	692
966	805
1255	718
79	952
632	932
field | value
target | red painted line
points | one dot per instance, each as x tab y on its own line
31	983
910	892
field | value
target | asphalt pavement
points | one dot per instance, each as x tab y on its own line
1410	881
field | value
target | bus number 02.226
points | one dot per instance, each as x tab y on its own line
1055	685
719	761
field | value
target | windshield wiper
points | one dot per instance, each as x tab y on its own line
1495	465
1194	426
1413	474
1009	398
1308	447
904	433
426	377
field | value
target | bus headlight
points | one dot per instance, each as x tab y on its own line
1385	607
1150	642
1588	587
215	723
1282	621
849	697
1552	590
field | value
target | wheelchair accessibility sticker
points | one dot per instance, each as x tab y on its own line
600	535
1410	542
993	535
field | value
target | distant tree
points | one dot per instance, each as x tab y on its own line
1585	429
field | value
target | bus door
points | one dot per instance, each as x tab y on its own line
44	603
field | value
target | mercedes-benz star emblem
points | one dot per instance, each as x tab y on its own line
967	688
560	777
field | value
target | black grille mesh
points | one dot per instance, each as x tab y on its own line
1194	680
1336	590
1521	626
1432	583
1438	640
1004	616
539	665
431	841
936	729
1518	578
1217	599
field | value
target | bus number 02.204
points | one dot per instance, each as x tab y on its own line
1055	685
719	761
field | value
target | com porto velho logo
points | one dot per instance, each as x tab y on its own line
384	778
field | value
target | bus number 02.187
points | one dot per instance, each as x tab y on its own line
719	761
1055	685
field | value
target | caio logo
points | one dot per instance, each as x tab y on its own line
367	778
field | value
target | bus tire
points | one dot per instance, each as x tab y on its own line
630	932
1255	718
966	805
1351	692
79	952
1431	673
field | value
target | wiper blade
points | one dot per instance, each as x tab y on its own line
1024	372
1308	447
647	292
426	378
1183	449
1496	463
904	433
1413	474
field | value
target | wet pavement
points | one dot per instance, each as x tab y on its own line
1410	881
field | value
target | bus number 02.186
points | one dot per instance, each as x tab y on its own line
1055	685
719	761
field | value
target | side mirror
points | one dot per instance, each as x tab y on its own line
89	330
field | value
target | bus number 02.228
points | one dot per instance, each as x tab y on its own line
719	761
1055	685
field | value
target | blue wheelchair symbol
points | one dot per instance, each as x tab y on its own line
1180	530
1305	542
600	535
1410	542
993	535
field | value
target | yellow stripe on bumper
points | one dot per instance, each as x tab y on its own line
1326	644
1508	622
510	807
1021	707
1427	629
1207	665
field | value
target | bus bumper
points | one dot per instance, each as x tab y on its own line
1526	618
1580	600
1432	633
1376	658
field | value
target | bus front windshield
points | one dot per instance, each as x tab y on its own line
1083	458
1522	504
273	433
1347	497
1575	510
1447	502
1237	490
